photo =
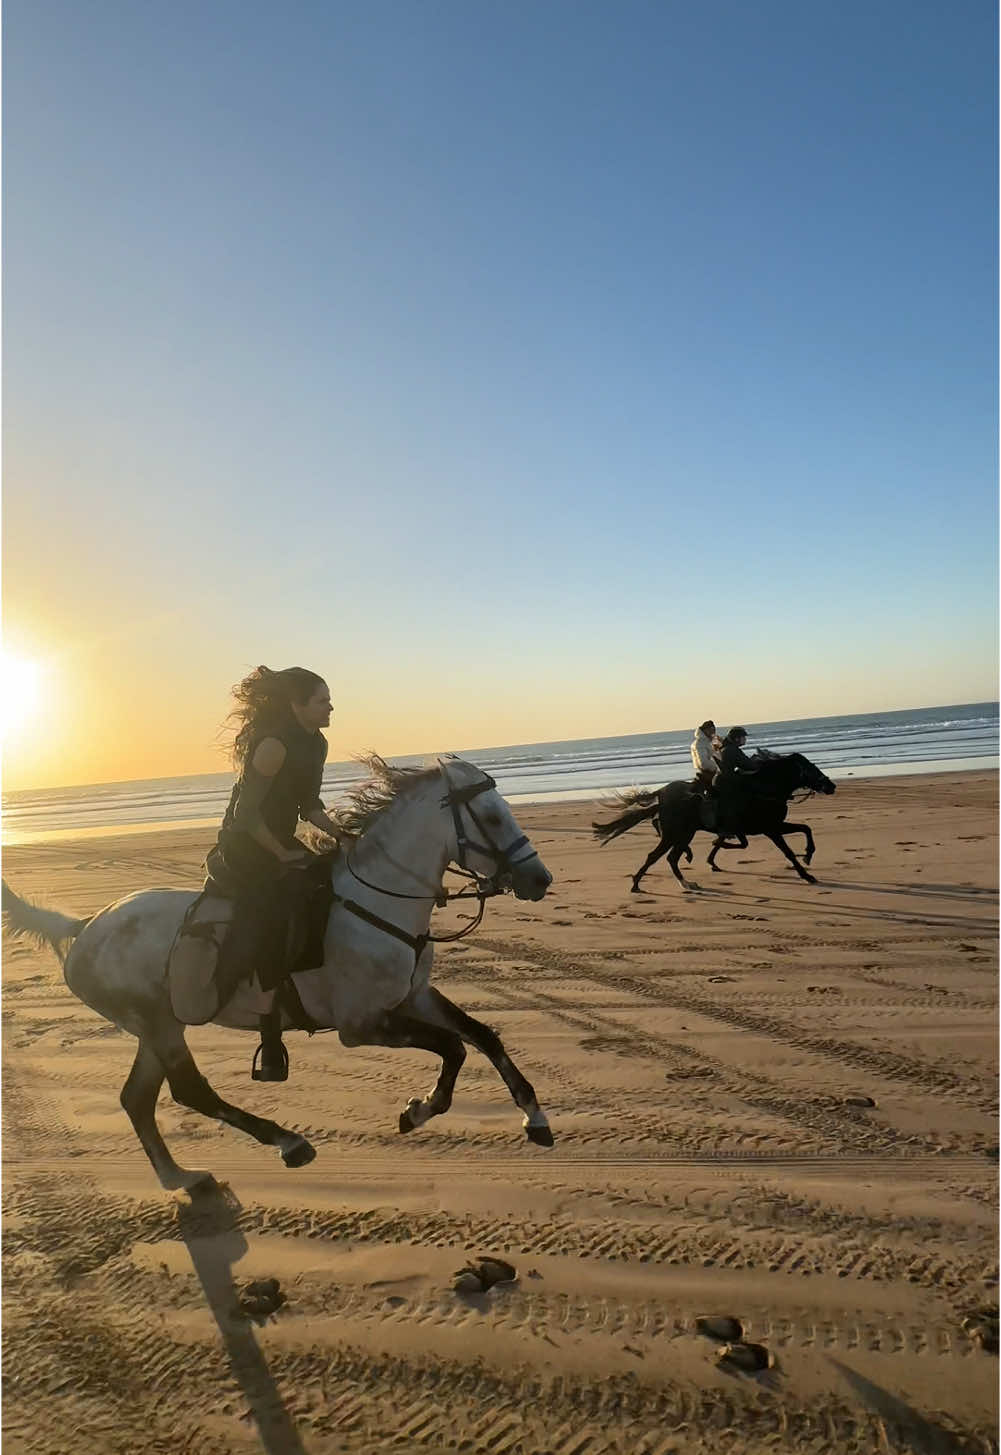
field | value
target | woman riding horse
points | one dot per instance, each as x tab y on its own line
279	753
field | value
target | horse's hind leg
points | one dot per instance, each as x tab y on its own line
431	1006
673	860
139	1094
401	1029
189	1087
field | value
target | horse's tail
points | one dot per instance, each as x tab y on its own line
639	804
30	921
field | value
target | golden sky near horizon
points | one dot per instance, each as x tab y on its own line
98	713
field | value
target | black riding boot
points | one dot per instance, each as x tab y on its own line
271	1053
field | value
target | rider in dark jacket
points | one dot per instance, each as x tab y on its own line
732	758
734	765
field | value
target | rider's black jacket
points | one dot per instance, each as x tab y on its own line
733	759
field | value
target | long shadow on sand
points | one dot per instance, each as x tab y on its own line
920	1434
965	893
727	890
209	1228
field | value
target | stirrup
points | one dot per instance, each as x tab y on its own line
270	1069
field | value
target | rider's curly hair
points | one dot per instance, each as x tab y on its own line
264	704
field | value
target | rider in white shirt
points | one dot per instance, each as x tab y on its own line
704	760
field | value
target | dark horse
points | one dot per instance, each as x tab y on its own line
759	803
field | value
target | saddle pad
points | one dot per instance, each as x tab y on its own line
194	958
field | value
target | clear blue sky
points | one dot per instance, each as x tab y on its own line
533	370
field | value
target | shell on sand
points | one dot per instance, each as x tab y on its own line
859	1099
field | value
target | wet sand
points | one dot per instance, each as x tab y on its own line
697	1055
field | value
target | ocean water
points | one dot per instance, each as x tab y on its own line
868	744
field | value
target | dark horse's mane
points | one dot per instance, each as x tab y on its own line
385	784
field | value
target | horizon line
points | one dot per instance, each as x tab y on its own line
541	743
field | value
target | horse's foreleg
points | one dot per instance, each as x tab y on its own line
801	828
651	859
673	859
138	1097
189	1087
431	1006
780	843
403	1029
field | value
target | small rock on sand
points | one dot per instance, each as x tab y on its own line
482	1275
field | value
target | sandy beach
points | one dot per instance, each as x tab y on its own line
699	1056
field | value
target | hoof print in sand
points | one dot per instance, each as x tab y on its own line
748	1358
720	1326
481	1276
261	1298
982	1327
860	1100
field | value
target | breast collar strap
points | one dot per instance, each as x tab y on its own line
415	942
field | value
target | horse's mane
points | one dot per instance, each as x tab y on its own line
385	783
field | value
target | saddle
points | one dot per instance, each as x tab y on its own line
225	940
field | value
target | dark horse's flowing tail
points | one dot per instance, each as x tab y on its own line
634	814
45	926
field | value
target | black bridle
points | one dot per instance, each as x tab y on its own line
459	798
480	888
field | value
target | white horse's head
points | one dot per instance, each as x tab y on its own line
485	836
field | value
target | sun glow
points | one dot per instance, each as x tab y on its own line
20	692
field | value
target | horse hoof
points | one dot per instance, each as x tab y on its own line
541	1136
299	1154
406	1125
